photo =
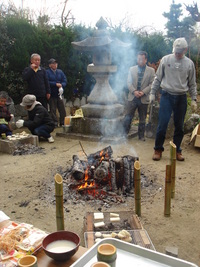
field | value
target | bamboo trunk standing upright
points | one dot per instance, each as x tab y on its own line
59	202
173	167
167	191
137	184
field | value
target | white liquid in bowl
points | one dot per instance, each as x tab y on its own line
60	246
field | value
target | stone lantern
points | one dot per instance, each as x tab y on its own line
103	115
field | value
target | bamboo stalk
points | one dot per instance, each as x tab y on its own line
173	167
137	185
59	202
167	191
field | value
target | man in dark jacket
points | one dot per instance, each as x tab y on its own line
57	81
39	121
37	80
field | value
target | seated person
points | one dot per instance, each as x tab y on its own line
39	121
5	116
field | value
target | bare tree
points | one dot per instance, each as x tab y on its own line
65	19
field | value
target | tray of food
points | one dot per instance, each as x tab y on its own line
137	237
132	255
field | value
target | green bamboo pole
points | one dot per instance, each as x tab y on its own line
137	185
167	191
173	167
59	202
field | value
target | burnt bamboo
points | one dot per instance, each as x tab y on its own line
59	202
173	167
137	183
167	191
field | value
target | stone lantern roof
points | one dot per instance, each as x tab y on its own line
100	39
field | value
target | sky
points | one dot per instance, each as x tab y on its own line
137	14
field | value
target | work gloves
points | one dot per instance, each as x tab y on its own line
60	90
193	105
152	98
12	117
20	123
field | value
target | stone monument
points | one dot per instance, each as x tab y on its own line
103	115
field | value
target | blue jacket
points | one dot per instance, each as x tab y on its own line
56	77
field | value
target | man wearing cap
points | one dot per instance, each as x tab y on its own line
39	121
175	76
37	80
57	81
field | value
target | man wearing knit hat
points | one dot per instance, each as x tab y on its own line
175	77
39	121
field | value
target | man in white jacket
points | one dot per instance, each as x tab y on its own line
175	77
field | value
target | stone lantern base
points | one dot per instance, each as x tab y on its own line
102	111
98	126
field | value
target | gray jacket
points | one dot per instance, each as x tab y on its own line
147	81
177	77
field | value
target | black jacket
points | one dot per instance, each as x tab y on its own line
37	117
38	83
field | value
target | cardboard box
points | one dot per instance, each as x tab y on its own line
196	136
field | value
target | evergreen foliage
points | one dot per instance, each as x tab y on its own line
20	37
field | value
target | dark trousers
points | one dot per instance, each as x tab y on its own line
43	101
168	104
131	107
57	103
43	131
4	128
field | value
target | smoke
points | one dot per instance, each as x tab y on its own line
123	58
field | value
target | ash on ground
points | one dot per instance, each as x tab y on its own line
27	149
103	198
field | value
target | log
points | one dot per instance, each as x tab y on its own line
102	170
77	171
104	153
59	202
119	172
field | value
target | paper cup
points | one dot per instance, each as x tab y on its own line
28	261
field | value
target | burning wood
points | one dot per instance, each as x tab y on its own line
78	171
100	173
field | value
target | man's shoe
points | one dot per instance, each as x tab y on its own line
50	139
157	155
142	139
179	156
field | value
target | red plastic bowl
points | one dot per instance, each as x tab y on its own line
61	235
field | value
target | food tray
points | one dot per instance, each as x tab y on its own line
132	255
139	237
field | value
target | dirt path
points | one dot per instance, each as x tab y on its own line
26	195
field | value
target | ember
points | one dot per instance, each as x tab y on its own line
100	174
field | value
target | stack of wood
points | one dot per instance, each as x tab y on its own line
100	170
